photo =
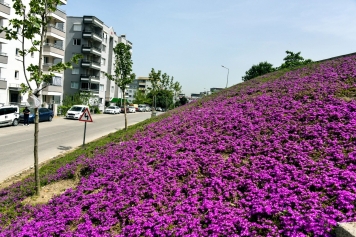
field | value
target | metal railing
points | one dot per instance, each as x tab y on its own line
90	61
56	27
91	47
53	45
86	31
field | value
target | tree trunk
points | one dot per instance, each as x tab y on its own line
125	110
35	153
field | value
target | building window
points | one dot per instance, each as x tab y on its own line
77	42
17	52
56	81
103	61
32	54
103	48
77	27
74	85
102	74
17	75
75	70
112	89
101	88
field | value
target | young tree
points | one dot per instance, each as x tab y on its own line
258	70
166	85
155	78
177	89
123	69
293	60
30	26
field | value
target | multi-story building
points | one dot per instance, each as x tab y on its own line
90	37
140	84
53	53
5	11
11	69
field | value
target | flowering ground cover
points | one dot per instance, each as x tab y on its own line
277	159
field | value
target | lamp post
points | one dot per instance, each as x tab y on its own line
227	80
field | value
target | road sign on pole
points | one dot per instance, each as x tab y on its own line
86	117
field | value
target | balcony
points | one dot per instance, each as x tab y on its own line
91	78
3	83
53	30
50	49
64	2
93	20
14	87
3	35
91	49
4	7
59	15
3	58
88	89
88	34
52	90
90	63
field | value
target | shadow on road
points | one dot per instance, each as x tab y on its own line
64	148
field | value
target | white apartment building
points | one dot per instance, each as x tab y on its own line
11	69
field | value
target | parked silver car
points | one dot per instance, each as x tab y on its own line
141	108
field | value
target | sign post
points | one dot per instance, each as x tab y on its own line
85	117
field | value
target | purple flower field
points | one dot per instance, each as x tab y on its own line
263	158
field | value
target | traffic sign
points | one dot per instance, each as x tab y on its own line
86	117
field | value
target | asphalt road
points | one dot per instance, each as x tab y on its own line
56	137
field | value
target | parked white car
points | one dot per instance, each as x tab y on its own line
112	110
132	109
9	115
76	111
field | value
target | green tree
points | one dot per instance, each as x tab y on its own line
258	70
155	78
177	88
30	25
293	60
164	98
141	98
123	68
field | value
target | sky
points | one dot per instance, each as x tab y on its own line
191	39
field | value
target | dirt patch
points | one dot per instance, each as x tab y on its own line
51	190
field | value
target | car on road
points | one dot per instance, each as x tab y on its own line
132	109
44	115
112	110
148	109
9	115
76	111
142	108
159	109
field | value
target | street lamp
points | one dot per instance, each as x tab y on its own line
227	80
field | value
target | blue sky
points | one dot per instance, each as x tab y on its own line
191	39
